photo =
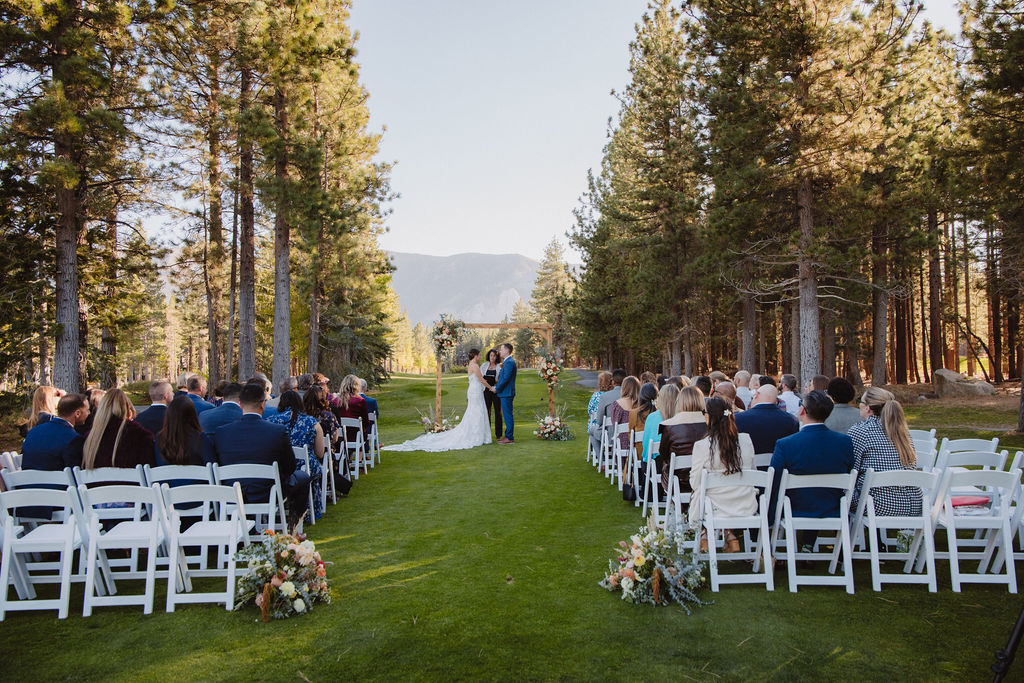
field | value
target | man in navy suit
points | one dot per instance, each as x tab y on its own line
765	422
152	418
371	403
227	412
197	392
55	444
816	449
505	389
251	439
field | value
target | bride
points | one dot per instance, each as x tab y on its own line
473	430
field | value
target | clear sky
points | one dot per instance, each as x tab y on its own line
494	111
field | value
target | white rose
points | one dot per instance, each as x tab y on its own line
288	588
299	605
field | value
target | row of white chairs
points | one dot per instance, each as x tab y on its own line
948	486
95	521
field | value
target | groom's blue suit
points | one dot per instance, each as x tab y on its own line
505	388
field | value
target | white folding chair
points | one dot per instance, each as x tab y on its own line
135	476
60	537
786	523
634	468
223	526
183	474
922	433
131	534
374	447
327	477
620	455
1016	518
675	497
992	520
605	456
762	461
949	446
302	458
959	460
712	523
649	495
355	449
866	523
271	512
38	479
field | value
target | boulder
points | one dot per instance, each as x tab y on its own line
952	384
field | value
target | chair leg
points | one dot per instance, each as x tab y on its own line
66	562
791	554
876	567
929	549
172	573
954	556
150	595
844	538
1011	571
6	558
90	575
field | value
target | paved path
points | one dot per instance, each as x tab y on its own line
588	378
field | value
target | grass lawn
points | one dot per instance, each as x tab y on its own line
484	564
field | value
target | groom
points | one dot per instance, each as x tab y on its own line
505	388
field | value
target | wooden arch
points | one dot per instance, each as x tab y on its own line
544	329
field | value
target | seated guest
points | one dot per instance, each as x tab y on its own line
116	439
765	421
788	395
622	407
44	407
661	381
152	418
727	392
716	377
352	405
371	403
218	393
763	380
286	385
604	383
817	383
741	380
302	384
647	377
315	403
638	416
679	433
54	444
197	392
665	407
703	383
815	449
180	442
604	404
723	450
255	440
678	382
304	431
843	414
882	443
227	412
182	383
93	396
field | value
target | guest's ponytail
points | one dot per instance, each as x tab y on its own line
894	423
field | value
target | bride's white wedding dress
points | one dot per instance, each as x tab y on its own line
473	430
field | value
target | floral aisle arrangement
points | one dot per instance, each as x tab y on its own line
285	577
446	334
656	568
553	427
431	425
549	371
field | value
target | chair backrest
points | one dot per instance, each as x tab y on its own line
225	473
117	493
348	423
845	482
751	478
115	475
216	501
10	501
621	428
37	479
180	473
926	481
974	445
762	460
928	443
653	447
1018	461
998	486
984	459
922	433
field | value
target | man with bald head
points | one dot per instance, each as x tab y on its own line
727	392
765	422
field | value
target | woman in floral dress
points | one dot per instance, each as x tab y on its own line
304	430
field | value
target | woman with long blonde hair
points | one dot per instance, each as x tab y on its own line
44	405
352	405
882	443
116	439
679	433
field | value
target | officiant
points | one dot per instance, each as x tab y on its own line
490	371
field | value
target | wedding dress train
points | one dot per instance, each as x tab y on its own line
473	430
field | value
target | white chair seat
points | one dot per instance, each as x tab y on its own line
129	532
43	537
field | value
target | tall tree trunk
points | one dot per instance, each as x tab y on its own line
282	248
229	362
676	358
45	369
748	360
69	229
900	352
1013	338
924	326
995	311
911	320
953	296
880	302
967	303
810	331
828	346
215	225
795	357
247	237
851	352
687	343
936	342
108	338
83	345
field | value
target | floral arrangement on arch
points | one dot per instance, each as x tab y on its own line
433	426
285	577
553	427
656	568
550	370
446	334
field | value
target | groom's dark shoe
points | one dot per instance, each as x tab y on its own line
504	441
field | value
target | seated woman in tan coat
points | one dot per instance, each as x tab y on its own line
679	433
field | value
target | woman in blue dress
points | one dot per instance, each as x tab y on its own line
304	430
